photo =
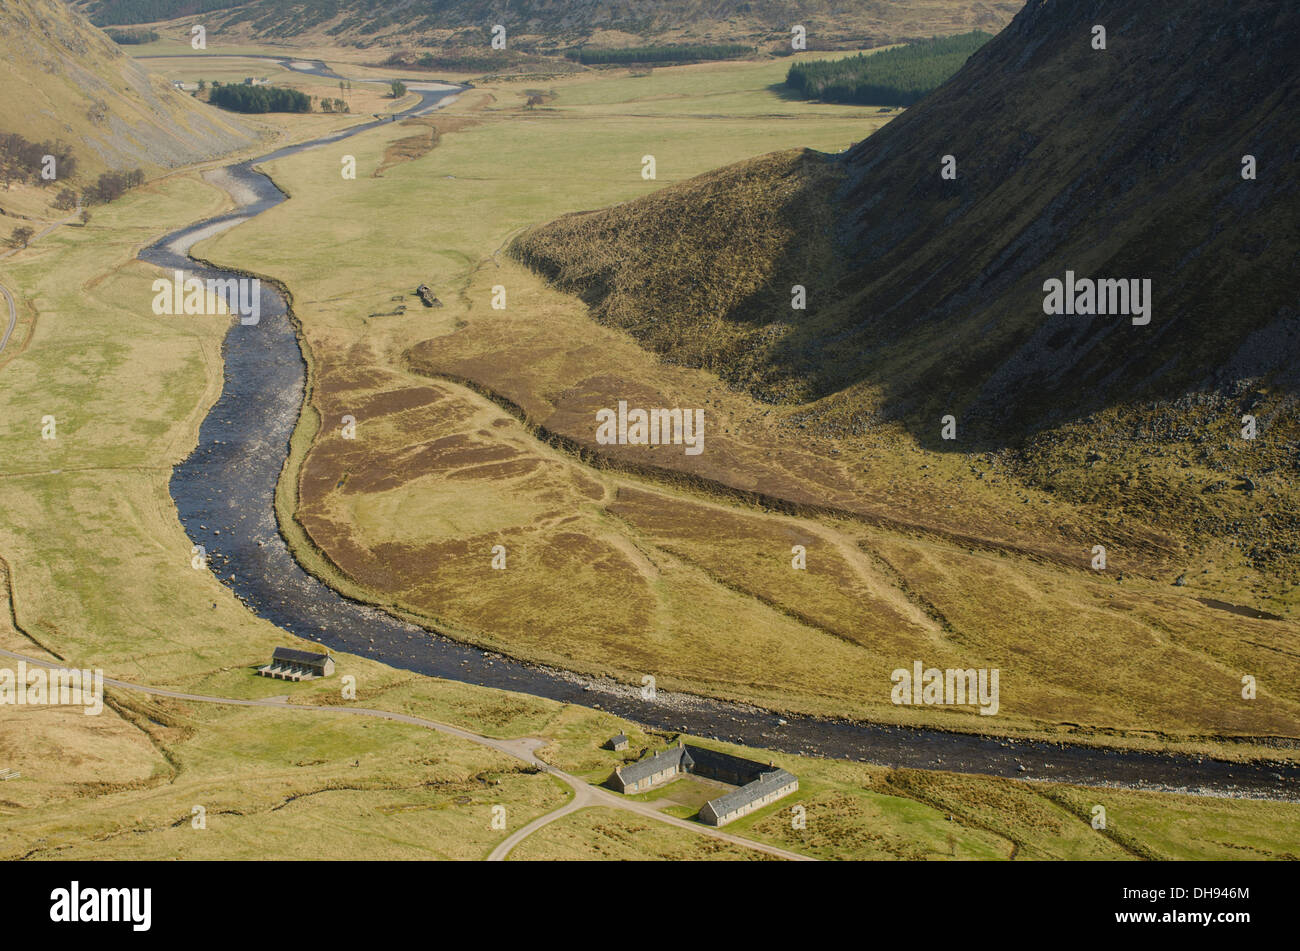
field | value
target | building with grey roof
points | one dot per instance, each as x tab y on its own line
290	664
770	786
758	785
652	770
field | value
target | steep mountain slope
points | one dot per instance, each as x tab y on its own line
926	296
1116	163
62	79
402	22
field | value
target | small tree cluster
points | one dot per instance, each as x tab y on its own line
259	98
21	237
113	185
132	37
897	77
66	199
680	53
22	160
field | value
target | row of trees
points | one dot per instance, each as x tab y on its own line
259	98
151	11
897	77
132	37
112	185
681	53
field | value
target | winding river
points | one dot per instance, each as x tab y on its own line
225	495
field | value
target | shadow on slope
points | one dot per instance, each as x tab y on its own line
928	294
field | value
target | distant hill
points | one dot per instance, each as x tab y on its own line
551	23
61	79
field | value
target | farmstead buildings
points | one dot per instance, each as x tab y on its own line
759	784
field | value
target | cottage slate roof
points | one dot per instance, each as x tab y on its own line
290	656
620	738
647	766
766	783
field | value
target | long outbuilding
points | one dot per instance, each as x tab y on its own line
290	664
767	788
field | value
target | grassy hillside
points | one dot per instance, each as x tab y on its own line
60	78
546	23
68	90
926	298
1049	179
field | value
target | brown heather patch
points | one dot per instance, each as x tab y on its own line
412	147
366	405
1056	637
754	453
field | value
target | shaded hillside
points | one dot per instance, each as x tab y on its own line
392	22
62	79
1122	163
700	296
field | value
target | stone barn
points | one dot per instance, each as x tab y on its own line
652	770
767	788
290	664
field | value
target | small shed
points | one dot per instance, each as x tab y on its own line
617	743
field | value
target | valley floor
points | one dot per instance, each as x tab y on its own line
454	406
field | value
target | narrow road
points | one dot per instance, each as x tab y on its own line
13	316
584	794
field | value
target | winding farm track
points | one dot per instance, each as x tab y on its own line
9	298
225	496
13	316
585	794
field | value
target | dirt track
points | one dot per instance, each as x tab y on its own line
584	793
